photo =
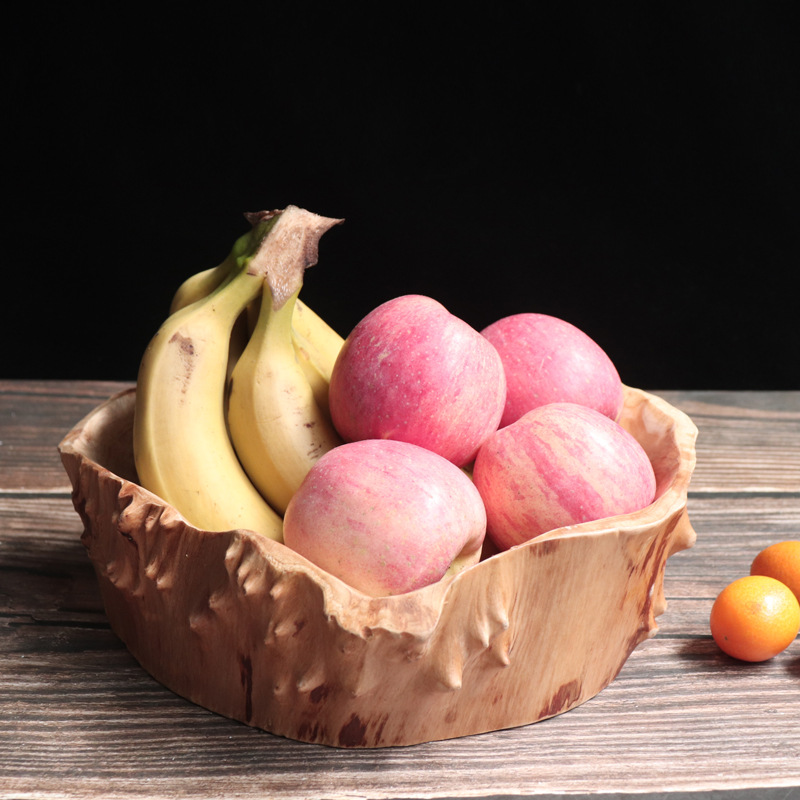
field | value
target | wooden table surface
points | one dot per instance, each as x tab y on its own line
80	718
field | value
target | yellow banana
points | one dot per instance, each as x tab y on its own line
316	343
201	284
198	286
316	346
316	339
181	445
277	426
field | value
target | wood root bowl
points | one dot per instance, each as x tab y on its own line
245	627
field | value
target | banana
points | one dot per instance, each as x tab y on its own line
182	449
317	340
276	424
198	286
317	344
201	284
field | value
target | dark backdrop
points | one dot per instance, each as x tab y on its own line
630	168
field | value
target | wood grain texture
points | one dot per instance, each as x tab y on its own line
79	718
244	626
747	442
34	417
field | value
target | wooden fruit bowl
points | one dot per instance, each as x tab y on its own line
249	629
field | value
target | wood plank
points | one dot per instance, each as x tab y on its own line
747	441
34	417
40	542
74	701
738	449
731	530
735	404
80	719
102	728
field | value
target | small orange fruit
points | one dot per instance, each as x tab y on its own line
755	618
782	562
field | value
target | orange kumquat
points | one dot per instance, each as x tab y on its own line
782	562
755	618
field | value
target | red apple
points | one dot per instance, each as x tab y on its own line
412	371
549	360
559	464
386	517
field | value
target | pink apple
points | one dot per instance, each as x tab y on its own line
559	464
549	360
386	517
412	371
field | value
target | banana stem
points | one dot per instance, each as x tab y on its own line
291	247
239	284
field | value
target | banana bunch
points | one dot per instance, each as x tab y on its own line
231	397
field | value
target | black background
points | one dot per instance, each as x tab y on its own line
631	168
